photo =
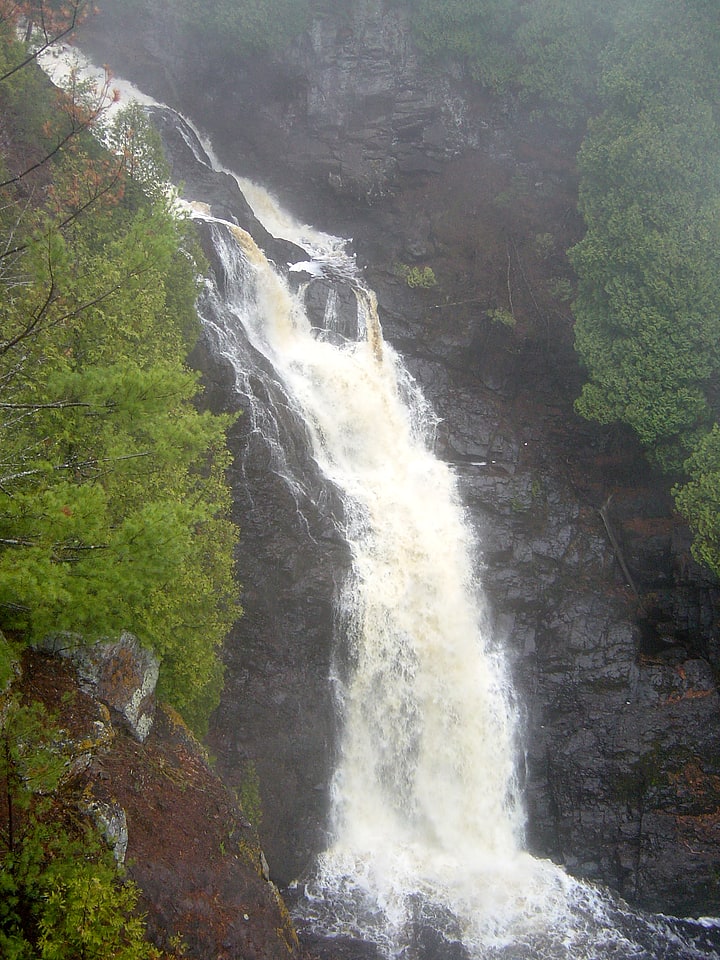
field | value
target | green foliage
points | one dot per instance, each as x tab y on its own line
238	26
549	50
88	913
517	191
554	52
504	317
648	307
249	794
60	893
698	500
560	44
8	663
114	513
560	288
544	245
476	32
31	767
132	137
423	277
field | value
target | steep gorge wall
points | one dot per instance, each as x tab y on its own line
616	679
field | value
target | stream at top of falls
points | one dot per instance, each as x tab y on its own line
426	854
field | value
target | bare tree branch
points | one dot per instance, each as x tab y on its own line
57	405
76	214
35	325
50	38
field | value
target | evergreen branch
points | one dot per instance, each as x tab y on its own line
37	317
33	326
58	404
75	215
48	156
73	465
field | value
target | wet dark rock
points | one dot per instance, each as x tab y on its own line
190	168
277	713
338	948
332	309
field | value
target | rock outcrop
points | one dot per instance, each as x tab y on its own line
167	816
118	673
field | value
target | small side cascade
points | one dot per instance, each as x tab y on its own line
368	310
248	245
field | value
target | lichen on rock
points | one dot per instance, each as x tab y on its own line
119	673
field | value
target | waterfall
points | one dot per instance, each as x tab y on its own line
425	803
427	822
425	848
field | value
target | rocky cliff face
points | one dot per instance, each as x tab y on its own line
611	629
149	789
608	624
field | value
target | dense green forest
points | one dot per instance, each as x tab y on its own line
114	511
113	505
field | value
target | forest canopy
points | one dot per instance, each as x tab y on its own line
647	313
114	512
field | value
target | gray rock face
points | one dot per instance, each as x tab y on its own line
119	673
369	113
277	716
349	105
111	821
277	710
615	680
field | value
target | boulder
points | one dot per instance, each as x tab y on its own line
119	673
111	821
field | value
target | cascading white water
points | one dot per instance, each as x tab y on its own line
427	820
427	823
